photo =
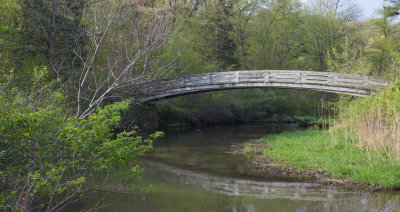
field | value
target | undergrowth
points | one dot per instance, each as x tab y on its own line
373	123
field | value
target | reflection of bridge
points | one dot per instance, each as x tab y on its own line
348	84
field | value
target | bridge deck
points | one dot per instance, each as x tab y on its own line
349	84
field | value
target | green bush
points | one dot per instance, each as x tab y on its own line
47	157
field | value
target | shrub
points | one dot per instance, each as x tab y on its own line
47	158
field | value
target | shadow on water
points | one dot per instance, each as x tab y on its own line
192	171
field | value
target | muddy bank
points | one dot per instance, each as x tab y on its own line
254	149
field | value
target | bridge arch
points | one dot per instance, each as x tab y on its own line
348	84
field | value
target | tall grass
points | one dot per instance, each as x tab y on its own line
373	123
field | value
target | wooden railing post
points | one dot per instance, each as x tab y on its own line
298	77
330	79
365	84
266	76
182	82
209	81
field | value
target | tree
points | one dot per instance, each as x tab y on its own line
393	9
325	24
122	37
244	12
276	35
97	48
351	59
9	33
213	33
225	47
53	29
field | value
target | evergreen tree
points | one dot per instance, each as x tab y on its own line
225	47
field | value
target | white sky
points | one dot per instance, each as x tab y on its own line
368	7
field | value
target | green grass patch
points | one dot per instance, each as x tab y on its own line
250	149
312	150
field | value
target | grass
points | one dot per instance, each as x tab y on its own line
318	150
374	122
250	149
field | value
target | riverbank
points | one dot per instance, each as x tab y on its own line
316	154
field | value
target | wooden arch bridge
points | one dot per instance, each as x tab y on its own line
348	84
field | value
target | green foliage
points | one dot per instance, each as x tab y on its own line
350	60
225	46
8	36
276	37
211	34
181	56
395	86
59	34
393	9
47	157
382	47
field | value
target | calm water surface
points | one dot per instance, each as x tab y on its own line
194	171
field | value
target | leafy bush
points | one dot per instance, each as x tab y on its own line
47	159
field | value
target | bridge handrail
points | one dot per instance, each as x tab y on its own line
341	82
270	76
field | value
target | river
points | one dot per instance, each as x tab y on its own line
193	170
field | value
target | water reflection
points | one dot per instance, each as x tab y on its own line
239	187
310	196
191	171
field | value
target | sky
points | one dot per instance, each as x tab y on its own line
368	7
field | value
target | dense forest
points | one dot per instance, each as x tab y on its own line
63	64
98	51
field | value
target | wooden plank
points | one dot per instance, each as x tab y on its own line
252	80
379	84
282	80
252	74
317	82
282	77
316	77
231	80
351	80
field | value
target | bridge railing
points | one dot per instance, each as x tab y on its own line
268	77
295	77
